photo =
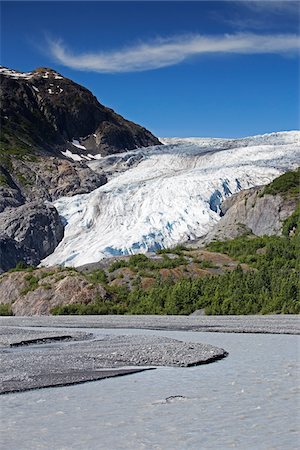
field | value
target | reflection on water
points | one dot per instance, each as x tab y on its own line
245	401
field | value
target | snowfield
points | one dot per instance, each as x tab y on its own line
170	194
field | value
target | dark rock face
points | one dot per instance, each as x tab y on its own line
42	115
46	111
11	252
45	179
30	230
28	234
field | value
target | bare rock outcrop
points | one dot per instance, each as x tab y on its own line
28	234
251	211
37	292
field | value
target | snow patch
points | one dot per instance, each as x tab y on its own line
98	156
77	144
27	75
71	155
15	74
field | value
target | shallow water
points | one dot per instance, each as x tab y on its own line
245	401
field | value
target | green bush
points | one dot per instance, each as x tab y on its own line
207	264
98	276
286	184
21	265
32	283
178	250
5	310
117	265
292	223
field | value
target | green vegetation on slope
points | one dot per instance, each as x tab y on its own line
287	184
141	261
291	224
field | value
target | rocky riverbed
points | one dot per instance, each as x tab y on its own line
274	324
34	359
46	351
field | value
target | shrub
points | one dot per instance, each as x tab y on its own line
5	310
32	283
292	223
98	276
286	184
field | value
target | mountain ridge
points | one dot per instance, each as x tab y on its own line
42	110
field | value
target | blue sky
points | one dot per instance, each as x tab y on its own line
223	69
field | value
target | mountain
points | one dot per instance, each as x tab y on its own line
169	194
42	110
50	128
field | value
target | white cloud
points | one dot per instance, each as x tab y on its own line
272	6
167	52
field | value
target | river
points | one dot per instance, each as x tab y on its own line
245	401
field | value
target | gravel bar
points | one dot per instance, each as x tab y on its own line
64	363
16	337
275	324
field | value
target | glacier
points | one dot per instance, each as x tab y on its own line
157	197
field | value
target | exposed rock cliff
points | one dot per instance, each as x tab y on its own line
29	232
31	293
252	211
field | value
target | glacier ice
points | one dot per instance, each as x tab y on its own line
170	194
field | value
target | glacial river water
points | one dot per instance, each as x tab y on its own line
249	400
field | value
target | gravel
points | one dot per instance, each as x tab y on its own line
73	361
35	357
275	324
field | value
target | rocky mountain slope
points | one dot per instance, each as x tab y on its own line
37	292
47	122
43	110
260	210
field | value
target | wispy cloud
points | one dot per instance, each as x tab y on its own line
174	50
272	6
